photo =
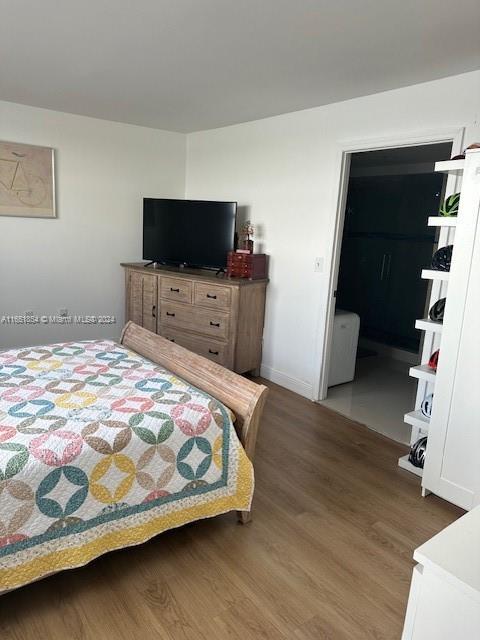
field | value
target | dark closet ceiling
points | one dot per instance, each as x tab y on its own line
402	155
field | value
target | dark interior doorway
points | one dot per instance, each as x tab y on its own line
386	242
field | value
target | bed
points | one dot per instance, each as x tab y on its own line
104	445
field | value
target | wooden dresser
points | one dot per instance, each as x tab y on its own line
218	317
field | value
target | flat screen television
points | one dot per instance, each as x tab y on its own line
194	233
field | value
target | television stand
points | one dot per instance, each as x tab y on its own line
218	317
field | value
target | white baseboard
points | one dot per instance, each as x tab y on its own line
293	384
390	352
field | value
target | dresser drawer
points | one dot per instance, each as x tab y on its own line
176	289
209	322
211	349
214	296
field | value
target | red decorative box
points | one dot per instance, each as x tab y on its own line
247	265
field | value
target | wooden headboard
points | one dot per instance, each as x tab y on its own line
245	398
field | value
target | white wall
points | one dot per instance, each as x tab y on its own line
103	169
284	171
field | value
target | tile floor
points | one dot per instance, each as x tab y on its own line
380	395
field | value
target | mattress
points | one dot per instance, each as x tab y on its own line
101	449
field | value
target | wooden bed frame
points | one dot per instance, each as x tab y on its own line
245	398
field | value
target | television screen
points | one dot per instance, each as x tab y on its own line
197	233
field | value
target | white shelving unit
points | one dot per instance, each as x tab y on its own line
432	274
442	221
408	466
417	419
452	463
422	372
432	330
425	324
450	166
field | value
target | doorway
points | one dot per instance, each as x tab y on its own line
384	244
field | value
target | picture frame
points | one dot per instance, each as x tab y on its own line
27	180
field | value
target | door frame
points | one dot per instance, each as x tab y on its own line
343	159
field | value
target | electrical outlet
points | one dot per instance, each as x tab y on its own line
318	265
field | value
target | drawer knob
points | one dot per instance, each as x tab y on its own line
214	353
214	324
211	297
174	290
172	315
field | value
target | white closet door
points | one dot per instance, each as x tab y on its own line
452	465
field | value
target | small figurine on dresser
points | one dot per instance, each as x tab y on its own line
246	243
243	263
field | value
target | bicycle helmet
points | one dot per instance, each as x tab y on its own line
433	362
442	258
417	452
427	405
461	156
437	311
449	207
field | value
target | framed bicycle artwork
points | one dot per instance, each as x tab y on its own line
27	180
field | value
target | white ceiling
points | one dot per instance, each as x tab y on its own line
186	65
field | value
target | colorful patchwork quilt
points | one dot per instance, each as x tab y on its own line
101	449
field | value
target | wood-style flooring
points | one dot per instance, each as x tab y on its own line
328	554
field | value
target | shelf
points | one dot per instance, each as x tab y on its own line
450	166
434	274
417	419
422	372
442	221
408	466
425	324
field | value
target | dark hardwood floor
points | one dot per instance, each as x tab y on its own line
328	554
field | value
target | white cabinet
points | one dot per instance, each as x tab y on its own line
444	601
346	327
452	465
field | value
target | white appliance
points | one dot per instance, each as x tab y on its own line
346	327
